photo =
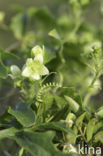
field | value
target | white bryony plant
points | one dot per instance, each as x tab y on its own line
33	68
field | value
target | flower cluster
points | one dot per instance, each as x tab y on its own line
33	68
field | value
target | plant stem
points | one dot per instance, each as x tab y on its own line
83	136
13	46
88	95
94	80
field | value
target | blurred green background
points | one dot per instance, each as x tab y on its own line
7	5
54	6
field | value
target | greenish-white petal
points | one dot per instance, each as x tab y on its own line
39	58
44	71
35	77
25	72
37	50
15	70
29	61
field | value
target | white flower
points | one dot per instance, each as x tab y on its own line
15	72
34	68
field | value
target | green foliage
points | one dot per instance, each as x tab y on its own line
23	114
56	65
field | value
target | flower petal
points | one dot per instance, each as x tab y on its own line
15	70
35	77
39	58
37	50
44	71
29	61
25	72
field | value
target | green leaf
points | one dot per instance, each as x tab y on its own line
23	114
98	126
55	34
60	114
48	55
99	137
72	138
38	144
99	114
80	119
18	25
58	126
90	129
21	152
74	106
71	91
43	15
3	69
8	133
60	101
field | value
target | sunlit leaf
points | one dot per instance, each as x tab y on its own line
74	106
55	34
90	129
